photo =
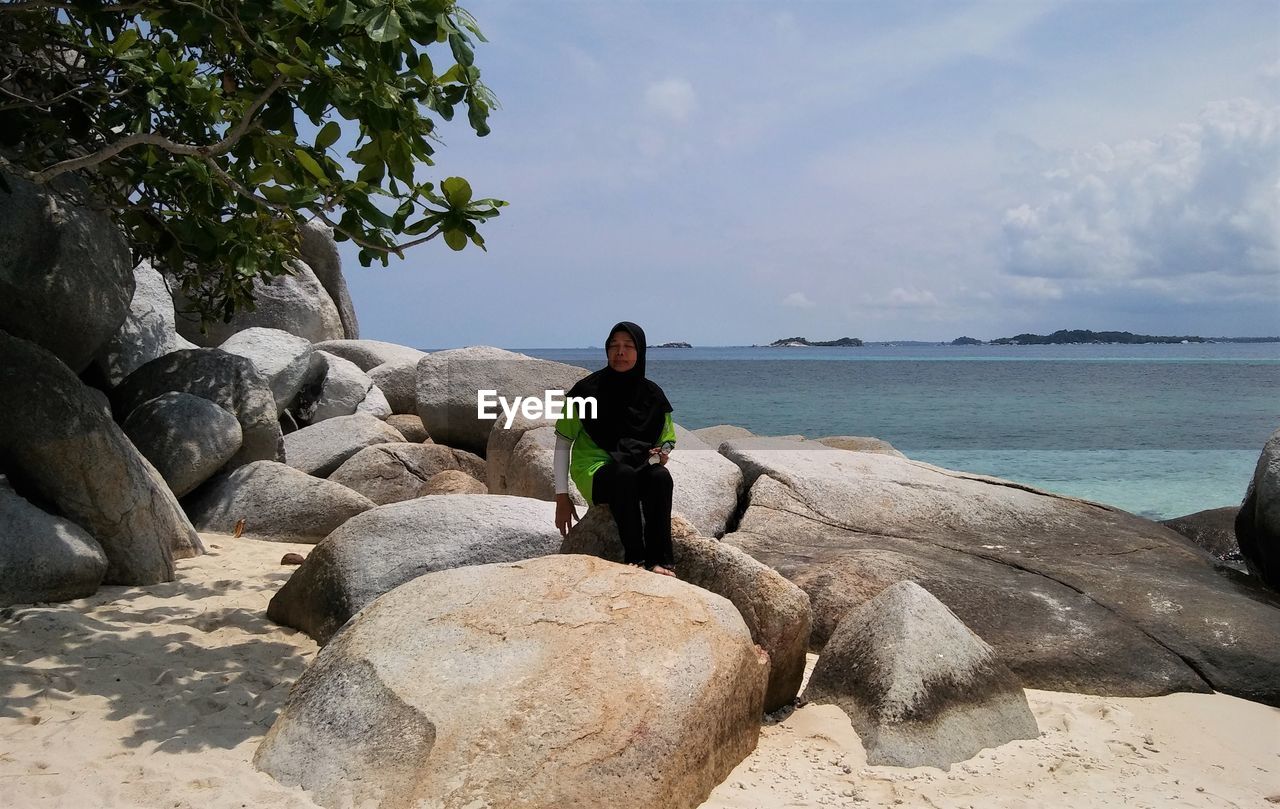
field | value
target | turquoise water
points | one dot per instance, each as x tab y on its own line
1159	430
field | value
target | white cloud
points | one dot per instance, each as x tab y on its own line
1195	204
673	99
798	300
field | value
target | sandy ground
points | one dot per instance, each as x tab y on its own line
158	697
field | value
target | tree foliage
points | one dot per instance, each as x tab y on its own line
182	115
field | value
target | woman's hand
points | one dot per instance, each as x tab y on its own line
566	514
661	453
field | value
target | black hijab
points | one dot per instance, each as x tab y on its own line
630	410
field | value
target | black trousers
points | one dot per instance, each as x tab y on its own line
629	492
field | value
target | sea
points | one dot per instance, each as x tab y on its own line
1160	430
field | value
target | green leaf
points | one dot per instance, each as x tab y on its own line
125	41
329	133
292	71
423	225
457	191
342	14
261	174
462	52
424	68
456	239
309	163
275	194
382	24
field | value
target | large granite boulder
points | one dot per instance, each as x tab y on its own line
375	404
343	387
322	447
230	381
557	683
520	460
43	557
295	302
919	687
390	473
369	354
1214	531
775	610
453	481
276	503
449	383
284	359
707	485
1074	596
320	252
1258	523
66	275
398	381
390	545
149	330
69	453
186	438
859	443
716	435
410	427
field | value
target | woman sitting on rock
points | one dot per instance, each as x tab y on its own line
619	457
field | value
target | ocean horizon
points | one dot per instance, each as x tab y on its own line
1157	429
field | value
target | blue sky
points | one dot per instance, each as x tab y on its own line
728	173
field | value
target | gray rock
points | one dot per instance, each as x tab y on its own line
390	545
342	389
276	502
919	687
520	460
322	447
775	610
70	454
858	443
186	438
295	302
399	382
375	404
369	354
230	381
66	276
149	330
707	484
43	557
283	358
320	253
391	473
453	481
1074	596
717	435
558	683
1212	530
1258	523
448	383
410	427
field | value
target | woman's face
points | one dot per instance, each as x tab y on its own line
621	351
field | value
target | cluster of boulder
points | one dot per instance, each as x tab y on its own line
473	656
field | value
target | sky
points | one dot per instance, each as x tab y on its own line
734	172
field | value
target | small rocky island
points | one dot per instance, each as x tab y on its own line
1077	336
676	344
791	342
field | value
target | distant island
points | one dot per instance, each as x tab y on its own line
1074	336
676	344
966	341
843	342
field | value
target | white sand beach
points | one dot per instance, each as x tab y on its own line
158	696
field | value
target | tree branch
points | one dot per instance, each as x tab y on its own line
240	189
152	139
